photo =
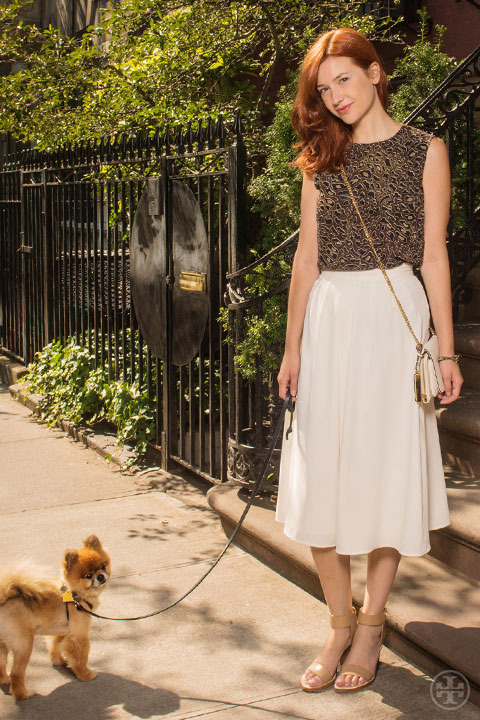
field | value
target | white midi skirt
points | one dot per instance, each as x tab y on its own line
362	467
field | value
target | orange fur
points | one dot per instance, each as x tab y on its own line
23	583
32	605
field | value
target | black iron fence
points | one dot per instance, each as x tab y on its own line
67	224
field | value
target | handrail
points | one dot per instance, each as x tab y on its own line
261	260
472	2
456	72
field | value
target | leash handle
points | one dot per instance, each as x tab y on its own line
287	403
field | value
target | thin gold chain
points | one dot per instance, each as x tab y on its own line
417	342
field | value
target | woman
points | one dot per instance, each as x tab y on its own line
362	471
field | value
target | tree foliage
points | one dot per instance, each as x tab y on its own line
421	68
151	62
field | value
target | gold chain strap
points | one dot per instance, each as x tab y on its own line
417	342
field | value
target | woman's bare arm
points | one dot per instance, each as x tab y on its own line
435	268
305	268
304	273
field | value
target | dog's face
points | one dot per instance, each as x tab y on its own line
87	570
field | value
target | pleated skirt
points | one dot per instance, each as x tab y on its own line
362	467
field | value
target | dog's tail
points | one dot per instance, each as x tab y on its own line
24	583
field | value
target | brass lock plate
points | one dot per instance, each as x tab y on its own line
192	281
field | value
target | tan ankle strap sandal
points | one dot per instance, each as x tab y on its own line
336	621
350	669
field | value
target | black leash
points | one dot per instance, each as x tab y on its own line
288	402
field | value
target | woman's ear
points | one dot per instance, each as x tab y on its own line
374	71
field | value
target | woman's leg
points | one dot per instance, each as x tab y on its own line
382	565
334	575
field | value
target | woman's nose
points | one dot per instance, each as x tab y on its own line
337	99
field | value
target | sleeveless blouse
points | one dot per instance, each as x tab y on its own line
386	180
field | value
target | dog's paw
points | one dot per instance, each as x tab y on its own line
22	694
57	660
4	679
86	675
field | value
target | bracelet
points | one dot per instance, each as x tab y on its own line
456	357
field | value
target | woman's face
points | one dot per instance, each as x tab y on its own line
347	90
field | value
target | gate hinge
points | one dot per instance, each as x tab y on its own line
24	248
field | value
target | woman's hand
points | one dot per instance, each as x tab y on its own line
288	375
453	380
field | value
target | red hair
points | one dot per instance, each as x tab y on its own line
324	137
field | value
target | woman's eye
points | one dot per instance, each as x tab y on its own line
320	90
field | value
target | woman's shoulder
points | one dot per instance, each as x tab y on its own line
417	135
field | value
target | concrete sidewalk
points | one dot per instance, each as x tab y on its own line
233	649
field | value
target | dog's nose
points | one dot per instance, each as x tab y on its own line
101	579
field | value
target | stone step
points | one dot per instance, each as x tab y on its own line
457	546
473	278
10	370
467	342
433	615
470	311
459	432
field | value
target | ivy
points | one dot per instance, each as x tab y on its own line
132	411
73	388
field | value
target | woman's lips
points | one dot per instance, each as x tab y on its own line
345	108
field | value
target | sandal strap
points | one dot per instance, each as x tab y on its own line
350	669
342	621
320	671
370	618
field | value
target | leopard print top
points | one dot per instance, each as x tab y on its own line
386	179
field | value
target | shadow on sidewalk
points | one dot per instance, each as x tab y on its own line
93	700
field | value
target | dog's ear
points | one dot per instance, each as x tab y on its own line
93	542
70	559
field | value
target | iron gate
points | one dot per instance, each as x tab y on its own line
65	250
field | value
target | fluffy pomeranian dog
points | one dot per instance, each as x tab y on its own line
32	605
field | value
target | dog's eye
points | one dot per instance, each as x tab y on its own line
88	577
104	566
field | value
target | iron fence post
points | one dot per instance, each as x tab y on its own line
25	352
47	262
236	233
167	418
